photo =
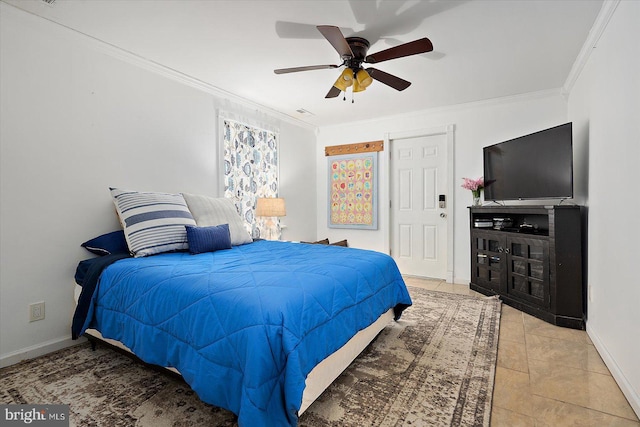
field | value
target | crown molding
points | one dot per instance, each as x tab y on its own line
522	97
194	82
155	67
600	24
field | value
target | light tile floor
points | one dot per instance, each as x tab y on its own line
547	376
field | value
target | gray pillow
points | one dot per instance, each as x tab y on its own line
210	211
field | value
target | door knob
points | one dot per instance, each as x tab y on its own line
443	215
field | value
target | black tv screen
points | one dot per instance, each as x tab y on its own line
535	166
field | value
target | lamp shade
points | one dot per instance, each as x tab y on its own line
345	80
270	207
363	78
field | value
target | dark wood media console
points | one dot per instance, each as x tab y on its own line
532	257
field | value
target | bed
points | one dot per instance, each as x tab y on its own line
260	328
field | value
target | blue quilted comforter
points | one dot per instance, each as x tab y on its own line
245	326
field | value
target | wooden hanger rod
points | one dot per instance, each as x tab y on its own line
359	147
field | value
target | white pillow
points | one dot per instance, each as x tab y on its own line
153	222
210	211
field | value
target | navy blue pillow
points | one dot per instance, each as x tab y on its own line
107	244
208	239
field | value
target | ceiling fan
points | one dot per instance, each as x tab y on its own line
353	51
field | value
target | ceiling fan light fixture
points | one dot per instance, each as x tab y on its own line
363	79
345	80
357	87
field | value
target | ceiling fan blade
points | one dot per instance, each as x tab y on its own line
297	30
389	79
337	40
333	92
412	48
307	68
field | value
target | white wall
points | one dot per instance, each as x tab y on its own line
605	102
476	125
74	120
298	182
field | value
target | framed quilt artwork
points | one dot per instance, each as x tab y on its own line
353	198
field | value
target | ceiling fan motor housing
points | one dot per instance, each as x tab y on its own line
359	47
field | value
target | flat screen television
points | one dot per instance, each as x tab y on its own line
535	166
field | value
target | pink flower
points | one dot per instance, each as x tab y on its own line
473	184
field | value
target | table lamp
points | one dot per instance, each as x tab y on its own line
270	207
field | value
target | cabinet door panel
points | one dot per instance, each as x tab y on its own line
488	262
527	273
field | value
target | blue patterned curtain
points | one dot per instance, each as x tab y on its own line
250	171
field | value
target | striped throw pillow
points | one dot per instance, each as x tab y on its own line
153	223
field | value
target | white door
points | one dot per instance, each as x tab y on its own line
418	223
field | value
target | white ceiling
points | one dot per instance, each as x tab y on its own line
482	49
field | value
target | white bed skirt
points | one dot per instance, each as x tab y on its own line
324	372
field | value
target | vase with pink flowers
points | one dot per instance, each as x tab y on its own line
476	186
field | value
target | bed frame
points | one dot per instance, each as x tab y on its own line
322	375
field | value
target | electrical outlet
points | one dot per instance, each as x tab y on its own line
36	311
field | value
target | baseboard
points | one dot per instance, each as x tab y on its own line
461	281
626	387
38	350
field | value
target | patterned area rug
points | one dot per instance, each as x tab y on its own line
434	367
